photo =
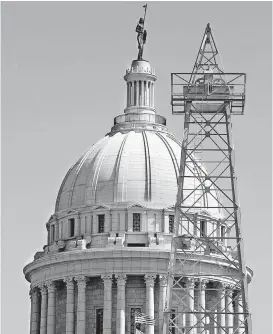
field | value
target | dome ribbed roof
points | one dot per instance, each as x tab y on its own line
137	166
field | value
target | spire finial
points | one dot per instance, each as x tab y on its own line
141	34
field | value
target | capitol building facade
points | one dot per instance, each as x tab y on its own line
109	239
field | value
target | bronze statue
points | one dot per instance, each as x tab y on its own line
141	35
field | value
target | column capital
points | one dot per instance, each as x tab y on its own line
190	282
107	278
81	281
149	280
162	280
51	286
203	283
69	280
33	292
224	285
43	288
121	278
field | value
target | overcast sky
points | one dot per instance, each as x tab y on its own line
62	84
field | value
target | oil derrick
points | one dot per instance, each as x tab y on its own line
207	275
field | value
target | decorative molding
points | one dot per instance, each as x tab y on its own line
51	286
81	281
149	280
121	279
107	279
43	288
190	282
69	281
33	293
163	280
203	283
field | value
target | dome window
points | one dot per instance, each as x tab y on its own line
223	232
52	230
171	223
71	227
101	219
203	228
136	222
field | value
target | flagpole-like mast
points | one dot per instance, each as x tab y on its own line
145	6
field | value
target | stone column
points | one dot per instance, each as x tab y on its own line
131	93
202	306
120	326
142	93
81	283
70	305
137	93
51	307
43	321
148	93
229	309
107	304
60	230
221	307
127	94
34	314
149	280
240	310
152	96
162	295
190	282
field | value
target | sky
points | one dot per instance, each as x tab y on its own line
62	84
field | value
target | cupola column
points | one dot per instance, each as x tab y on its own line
149	280
153	102
162	294
142	93
121	281
43	321
81	283
34	314
137	93
51	307
107	304
70	305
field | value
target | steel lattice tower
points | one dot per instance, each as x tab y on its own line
207	276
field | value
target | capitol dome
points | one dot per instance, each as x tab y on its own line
133	167
137	162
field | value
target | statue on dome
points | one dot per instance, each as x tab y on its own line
141	35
